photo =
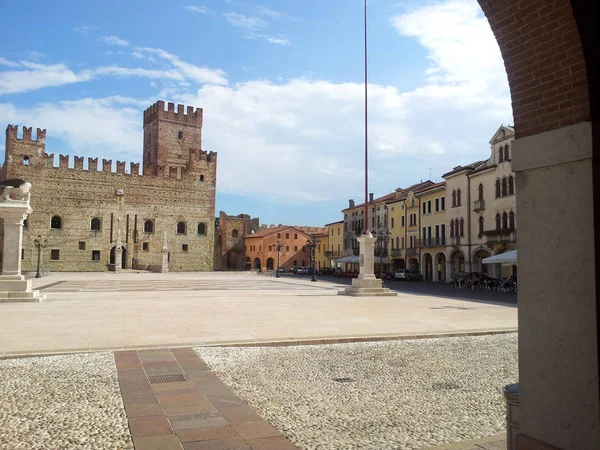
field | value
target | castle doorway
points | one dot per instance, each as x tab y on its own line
123	257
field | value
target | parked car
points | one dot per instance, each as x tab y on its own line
294	269
302	270
407	275
281	269
390	275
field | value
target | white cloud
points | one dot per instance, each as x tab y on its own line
245	22
196	9
82	29
114	40
275	40
264	11
40	76
8	63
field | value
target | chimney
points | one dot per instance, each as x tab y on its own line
350	203
370	197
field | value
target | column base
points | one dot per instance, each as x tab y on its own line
367	287
16	291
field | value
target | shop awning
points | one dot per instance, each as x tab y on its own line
348	259
506	258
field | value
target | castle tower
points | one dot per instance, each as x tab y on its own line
170	135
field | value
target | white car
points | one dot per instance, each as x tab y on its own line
407	275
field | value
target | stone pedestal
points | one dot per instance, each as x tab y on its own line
13	286
366	284
165	255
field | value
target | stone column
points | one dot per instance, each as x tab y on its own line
366	284
118	248
165	254
13	286
559	306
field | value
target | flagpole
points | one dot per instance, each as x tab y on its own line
366	132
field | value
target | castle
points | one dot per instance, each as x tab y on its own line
83	212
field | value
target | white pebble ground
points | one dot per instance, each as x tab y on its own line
62	402
408	394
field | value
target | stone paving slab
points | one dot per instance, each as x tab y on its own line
497	442
85	312
198	413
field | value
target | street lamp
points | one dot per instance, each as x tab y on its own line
312	243
382	237
278	248
39	245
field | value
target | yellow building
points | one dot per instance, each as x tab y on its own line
397	229
321	252
335	242
432	231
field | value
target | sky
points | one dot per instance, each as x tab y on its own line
281	85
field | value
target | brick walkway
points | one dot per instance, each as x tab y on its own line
199	412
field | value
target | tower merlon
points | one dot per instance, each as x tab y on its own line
184	114
13	130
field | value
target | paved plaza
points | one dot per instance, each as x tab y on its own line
105	311
148	369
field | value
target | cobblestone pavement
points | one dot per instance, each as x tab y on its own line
105	311
62	402
381	395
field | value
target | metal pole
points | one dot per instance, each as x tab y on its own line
314	271
277	271
39	247
366	133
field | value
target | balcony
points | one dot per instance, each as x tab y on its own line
396	252
455	240
433	242
411	252
478	205
333	254
503	236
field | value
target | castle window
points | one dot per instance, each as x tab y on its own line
480	225
462	227
287	235
95	225
501	155
25	160
497	188
506	153
234	233
145	246
296	235
287	248
54	255
202	228
81	245
511	220
184	247
180	227
295	248
504	188
56	222
504	221
453	198
25	223
95	255
511	185
498	222
201	177
180	135
149	226
458	199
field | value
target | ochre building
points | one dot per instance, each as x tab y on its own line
83	210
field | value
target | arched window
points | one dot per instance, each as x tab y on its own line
506	153
180	135
480	225
95	225
234	233
453	198
25	160
498	222
480	192
497	188
501	155
511	220
201	228
511	185
397	242
504	221
462	227
149	226
180	227
56	222
452	228
504	187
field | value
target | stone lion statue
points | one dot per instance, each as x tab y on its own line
17	188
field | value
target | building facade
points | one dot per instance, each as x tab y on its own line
432	244
230	233
84	211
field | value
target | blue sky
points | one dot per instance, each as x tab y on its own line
280	84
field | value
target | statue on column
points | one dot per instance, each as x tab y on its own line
165	254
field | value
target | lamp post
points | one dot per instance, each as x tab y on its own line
312	244
39	245
383	236
278	248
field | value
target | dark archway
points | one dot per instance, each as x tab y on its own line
270	263
257	264
440	263
457	262
478	255
427	267
123	256
248	263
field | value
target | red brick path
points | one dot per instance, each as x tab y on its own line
198	413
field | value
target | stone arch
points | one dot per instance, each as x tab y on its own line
413	264
256	263
248	263
234	233
457	262
270	263
427	266
123	256
439	272
478	255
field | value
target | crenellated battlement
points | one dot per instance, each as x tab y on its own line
186	115
12	132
